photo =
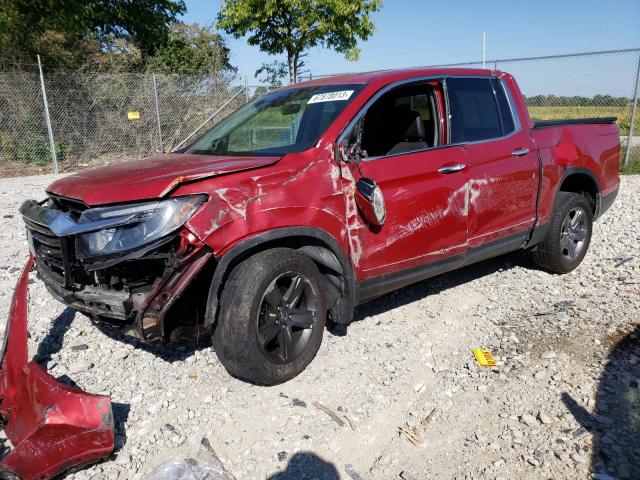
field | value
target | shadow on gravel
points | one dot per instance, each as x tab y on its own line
169	352
52	342
120	417
307	465
615	422
433	286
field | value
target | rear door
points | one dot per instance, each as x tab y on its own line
502	161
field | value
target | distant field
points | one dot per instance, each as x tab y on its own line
554	113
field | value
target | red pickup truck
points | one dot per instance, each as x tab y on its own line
314	198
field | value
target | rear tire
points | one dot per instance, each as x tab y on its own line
272	317
569	235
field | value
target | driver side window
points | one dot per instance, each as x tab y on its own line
403	120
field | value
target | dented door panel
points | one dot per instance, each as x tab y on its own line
426	210
503	187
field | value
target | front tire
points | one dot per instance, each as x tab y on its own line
569	235
272	317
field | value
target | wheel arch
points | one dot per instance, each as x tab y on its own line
584	182
317	244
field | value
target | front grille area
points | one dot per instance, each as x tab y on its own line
108	288
55	255
49	253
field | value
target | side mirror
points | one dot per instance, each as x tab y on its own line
370	201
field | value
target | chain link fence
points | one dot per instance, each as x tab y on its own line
582	85
101	118
97	119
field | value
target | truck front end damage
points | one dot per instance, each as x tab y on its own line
124	264
52	427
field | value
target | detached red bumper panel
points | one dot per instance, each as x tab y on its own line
52	427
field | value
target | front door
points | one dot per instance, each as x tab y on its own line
424	185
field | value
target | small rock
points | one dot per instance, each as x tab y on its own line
544	418
529	420
561	454
298	403
79	367
578	458
540	375
548	355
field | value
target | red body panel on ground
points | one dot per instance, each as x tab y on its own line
51	426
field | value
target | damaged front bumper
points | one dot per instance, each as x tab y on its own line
52	427
134	290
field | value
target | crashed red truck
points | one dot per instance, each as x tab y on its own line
312	199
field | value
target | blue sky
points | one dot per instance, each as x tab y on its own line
420	32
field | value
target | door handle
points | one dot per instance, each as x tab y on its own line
452	168
520	152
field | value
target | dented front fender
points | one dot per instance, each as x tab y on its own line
52	427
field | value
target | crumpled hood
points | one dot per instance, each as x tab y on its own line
152	177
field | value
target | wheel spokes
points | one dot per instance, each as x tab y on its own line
577	218
286	343
571	247
294	292
287	317
274	297
301	318
269	331
579	235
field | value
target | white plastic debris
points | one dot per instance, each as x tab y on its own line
205	466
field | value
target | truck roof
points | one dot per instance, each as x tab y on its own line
389	76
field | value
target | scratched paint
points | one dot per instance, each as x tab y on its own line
457	204
298	174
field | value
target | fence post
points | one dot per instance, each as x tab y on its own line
246	89
155	94
633	115
52	144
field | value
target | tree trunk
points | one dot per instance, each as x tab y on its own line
292	60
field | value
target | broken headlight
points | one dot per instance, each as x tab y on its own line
143	223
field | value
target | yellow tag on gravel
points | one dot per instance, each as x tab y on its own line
133	115
484	357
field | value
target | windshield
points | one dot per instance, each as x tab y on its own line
277	123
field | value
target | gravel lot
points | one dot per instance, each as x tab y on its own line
563	402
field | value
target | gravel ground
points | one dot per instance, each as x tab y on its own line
563	401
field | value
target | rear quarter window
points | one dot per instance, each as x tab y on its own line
506	116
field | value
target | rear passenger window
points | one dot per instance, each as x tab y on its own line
506	117
474	110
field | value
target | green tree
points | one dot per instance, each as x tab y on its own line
293	26
68	32
272	73
192	50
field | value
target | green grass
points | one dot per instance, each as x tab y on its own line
555	113
633	167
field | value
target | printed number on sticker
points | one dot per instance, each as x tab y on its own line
331	96
484	357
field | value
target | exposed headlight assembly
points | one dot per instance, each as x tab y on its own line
142	224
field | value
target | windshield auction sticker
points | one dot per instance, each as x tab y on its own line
331	96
